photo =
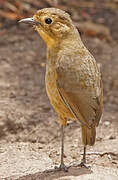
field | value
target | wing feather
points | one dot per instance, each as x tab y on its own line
79	85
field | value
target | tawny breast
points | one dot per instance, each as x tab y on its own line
54	97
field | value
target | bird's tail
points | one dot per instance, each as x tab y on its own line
88	135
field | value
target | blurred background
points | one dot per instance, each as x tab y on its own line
25	112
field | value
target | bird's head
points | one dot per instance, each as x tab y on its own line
52	24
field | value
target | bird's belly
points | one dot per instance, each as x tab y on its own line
55	98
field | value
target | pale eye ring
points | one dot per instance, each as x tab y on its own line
48	20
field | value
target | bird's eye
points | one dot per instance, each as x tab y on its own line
48	21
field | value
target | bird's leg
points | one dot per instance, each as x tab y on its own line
83	161
62	148
62	165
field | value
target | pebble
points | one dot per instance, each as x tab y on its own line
106	123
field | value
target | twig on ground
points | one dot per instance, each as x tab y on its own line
101	154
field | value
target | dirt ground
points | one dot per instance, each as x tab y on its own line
26	115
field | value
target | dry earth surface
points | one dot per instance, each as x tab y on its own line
29	131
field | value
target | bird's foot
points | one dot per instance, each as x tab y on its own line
82	164
62	167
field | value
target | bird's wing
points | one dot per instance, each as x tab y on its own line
79	85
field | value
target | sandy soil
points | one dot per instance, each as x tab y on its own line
26	115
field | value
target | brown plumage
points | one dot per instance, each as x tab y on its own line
73	79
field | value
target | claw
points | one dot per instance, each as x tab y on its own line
82	164
62	167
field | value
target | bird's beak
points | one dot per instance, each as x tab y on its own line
29	21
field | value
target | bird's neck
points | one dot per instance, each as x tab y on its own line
65	46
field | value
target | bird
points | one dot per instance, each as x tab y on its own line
73	79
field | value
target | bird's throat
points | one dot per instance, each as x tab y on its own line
49	41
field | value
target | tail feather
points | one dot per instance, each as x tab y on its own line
88	135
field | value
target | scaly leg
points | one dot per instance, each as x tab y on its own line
84	156
82	164
62	165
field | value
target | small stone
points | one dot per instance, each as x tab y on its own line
99	138
112	137
106	123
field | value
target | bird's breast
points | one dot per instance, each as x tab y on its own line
54	97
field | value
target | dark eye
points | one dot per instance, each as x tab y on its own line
48	21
